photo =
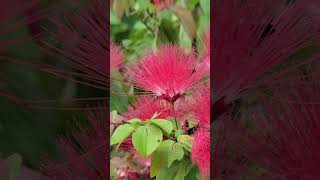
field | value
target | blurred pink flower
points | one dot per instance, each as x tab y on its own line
162	4
116	57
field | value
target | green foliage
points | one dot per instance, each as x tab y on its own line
114	114
177	171
147	139
143	28
185	140
165	155
119	103
165	125
121	134
135	122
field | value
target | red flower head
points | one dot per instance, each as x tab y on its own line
147	106
168	73
200	108
162	4
116	56
200	152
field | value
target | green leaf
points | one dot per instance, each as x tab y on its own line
165	125
192	122
184	168
186	19
185	140
177	153
165	155
191	4
184	39
114	114
121	134
135	122
160	158
168	173
205	5
120	103
111	129
193	173
147	139
179	132
177	171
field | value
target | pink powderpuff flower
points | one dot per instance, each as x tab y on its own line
200	151
162	4
147	106
199	106
116	57
169	73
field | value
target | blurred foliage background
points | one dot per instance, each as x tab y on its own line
29	133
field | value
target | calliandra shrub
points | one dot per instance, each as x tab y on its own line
170	75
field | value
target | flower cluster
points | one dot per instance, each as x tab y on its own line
177	83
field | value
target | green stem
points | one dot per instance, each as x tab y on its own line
174	115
